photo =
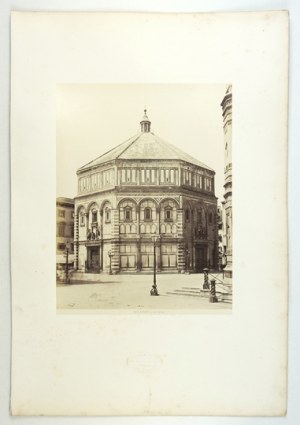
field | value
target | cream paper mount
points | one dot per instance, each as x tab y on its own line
166	363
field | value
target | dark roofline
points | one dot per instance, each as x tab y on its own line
62	200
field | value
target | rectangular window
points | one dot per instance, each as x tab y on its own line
61	230
133	176
162	176
152	176
128	176
208	184
88	183
147	176
167	176
172	176
186	175
61	213
61	246
143	176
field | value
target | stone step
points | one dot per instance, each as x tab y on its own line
218	290
221	297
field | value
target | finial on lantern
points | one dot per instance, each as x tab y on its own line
145	123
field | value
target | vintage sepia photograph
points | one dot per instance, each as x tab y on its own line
144	220
144	189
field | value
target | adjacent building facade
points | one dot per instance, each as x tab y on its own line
227	125
64	234
222	236
142	191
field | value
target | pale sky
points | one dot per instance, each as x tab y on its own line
94	118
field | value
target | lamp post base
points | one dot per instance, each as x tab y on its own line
213	299
154	291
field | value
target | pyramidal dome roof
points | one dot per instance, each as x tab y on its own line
144	145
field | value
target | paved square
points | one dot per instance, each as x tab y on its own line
132	292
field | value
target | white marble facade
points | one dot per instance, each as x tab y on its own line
144	188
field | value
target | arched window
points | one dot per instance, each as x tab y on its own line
148	213
168	214
187	215
199	215
128	214
82	219
94	217
107	214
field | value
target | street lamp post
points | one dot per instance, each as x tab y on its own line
187	261
110	255
67	247
154	286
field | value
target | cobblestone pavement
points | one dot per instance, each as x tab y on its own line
132	292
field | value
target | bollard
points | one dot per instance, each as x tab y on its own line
213	298
205	284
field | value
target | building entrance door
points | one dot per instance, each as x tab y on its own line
200	258
94	259
128	257
169	256
147	256
147	261
128	262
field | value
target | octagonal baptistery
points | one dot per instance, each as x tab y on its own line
144	190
